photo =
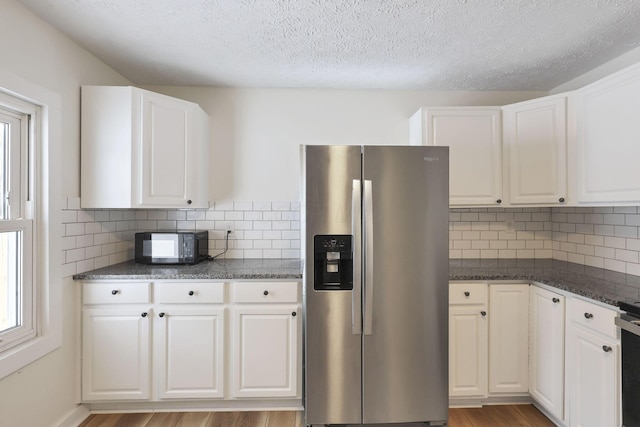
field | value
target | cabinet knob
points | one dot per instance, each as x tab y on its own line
555	300
499	201
189	202
144	314
115	292
588	316
483	313
161	314
191	293
466	293
294	314
606	348
561	199
266	292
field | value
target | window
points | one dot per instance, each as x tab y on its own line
17	293
30	195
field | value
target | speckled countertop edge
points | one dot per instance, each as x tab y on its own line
605	286
233	269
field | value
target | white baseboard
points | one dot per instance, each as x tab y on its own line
75	417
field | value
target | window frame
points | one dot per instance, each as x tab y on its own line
20	115
43	194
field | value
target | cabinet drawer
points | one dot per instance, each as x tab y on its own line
265	292
467	293
116	292
592	317
189	292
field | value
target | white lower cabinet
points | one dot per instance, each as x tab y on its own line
509	338
546	350
190	353
266	337
182	332
468	340
116	345
593	366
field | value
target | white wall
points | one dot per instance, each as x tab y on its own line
256	133
43	393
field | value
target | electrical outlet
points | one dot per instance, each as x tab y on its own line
229	229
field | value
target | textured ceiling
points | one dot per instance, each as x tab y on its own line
389	44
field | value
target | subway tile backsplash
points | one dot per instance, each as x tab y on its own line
604	237
97	238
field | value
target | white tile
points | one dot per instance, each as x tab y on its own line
603	230
462	226
281	206
68	243
177	215
594	261
291	253
489	253
262	225
585	250
141	215
594	218
295	205
290	234
74	229
480	226
615	242
291	216
543	254
633	268
281	244
624	231
455	254
281	225
261	206
470	235
272	216
253	216
262	244
233	216
101	216
69	217
603	252
469	216
93	252
525	253
633	244
101	262
498	244
575	238
223	206
272	253
462	244
615	265
489	235
584	228
470	253
627	256
575	218
516	244
625	209
272	234
614	219
157	215
487	217
243	225
577	258
108	249
196	215
295	244
480	244
84	241
534	244
167	225
506	253
253	234
186	225
560	256
86	265
244	244
68	269
115	216
74	255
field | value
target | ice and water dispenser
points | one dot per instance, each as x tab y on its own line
333	262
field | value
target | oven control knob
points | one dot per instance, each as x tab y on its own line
606	348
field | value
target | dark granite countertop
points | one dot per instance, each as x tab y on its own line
230	269
602	285
605	286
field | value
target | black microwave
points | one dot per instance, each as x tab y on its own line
171	247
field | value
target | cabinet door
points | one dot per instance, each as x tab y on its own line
605	139
593	380
473	136
468	351
546	350
535	150
189	347
115	354
265	352
509	338
168	163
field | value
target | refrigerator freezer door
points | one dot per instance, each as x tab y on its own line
333	365
405	366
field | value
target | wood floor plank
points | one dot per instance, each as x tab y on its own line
164	419
282	419
251	419
222	419
193	419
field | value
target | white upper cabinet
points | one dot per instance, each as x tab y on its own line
535	151
604	139
141	149
473	135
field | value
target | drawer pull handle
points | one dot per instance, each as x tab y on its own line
499	201
191	293
466	293
115	292
483	313
294	314
266	293
189	202
144	314
561	199
161	314
606	348
588	316
555	300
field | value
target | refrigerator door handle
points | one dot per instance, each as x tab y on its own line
356	227
368	257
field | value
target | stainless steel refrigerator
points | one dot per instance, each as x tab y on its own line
376	269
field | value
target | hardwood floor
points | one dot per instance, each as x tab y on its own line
487	416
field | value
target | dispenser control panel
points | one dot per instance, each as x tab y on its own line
333	262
